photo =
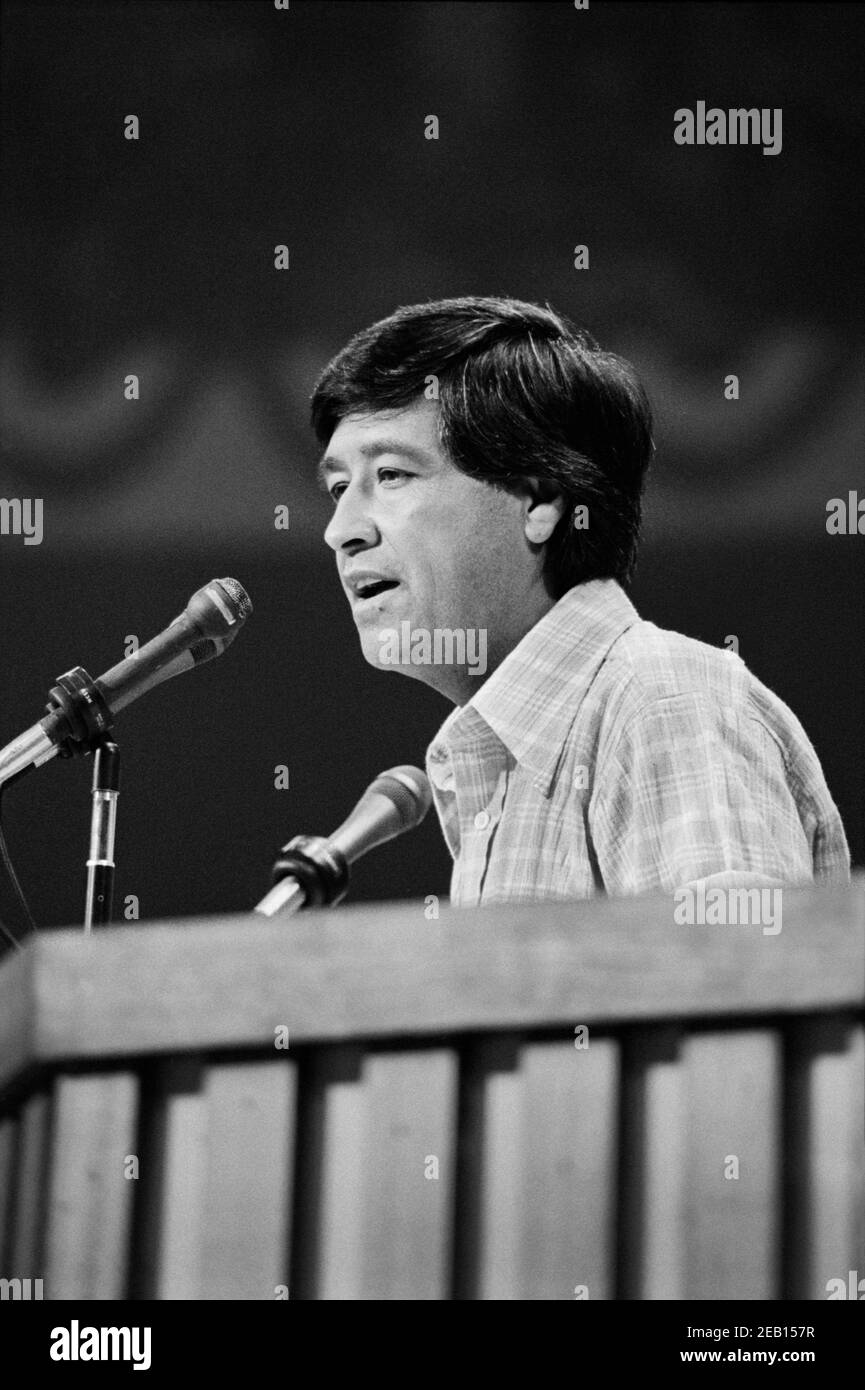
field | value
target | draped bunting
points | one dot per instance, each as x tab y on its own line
155	257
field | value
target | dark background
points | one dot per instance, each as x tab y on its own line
305	127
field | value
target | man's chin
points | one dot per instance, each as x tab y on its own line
376	654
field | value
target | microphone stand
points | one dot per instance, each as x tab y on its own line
103	824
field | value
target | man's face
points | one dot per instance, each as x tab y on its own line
453	549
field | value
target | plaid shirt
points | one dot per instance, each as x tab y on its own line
608	755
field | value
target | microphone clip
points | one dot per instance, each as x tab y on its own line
78	713
319	868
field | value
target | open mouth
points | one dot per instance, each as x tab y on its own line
374	588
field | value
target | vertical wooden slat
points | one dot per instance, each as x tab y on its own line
384	1217
826	1157
329	1202
734	1112
225	1132
9	1125
173	1180
548	1173
653	1175
27	1242
571	1149
410	1169
90	1198
491	1162
250	1154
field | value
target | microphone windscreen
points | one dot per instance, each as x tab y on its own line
239	596
409	790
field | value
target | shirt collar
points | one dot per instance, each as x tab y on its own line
533	697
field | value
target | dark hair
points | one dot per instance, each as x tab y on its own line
522	393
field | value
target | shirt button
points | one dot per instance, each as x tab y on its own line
482	820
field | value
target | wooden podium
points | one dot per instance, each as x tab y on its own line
541	1102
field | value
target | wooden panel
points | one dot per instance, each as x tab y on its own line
28	1215
193	986
734	1085
524	1199
386	1127
547	1170
654	1166
826	1158
90	1198
224	1134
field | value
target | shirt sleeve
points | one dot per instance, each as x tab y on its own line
689	790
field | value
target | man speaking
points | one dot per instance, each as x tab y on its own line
486	462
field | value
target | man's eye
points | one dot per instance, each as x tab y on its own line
384	474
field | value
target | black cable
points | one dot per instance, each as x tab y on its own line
13	879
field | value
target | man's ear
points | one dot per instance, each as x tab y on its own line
544	507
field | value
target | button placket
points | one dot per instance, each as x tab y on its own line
491	819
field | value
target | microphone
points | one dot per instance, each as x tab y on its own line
313	871
81	710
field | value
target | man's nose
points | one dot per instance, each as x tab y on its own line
351	524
